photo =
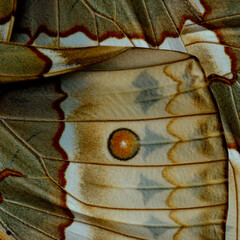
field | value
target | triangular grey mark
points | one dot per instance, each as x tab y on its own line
155	229
150	93
147	187
152	142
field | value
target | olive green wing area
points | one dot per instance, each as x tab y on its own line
70	23
7	17
32	206
227	97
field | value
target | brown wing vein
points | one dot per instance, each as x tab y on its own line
106	120
27	224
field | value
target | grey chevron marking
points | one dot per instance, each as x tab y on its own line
156	230
147	187
152	142
150	93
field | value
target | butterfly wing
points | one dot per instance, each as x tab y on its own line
201	28
62	179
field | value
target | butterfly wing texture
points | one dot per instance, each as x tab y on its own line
60	178
63	171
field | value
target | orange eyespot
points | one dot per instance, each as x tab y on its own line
123	144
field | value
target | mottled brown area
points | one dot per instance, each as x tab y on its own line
191	85
91	189
220	9
208	232
187	78
90	143
196	100
206	148
206	139
198	196
198	150
201	216
89	107
199	98
85	56
215	193
197	174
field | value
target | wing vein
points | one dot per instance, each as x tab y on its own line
109	19
26	145
151	22
138	166
27	224
108	120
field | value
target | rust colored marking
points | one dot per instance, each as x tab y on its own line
234	60
113	34
56	145
78	28
44	29
47	60
123	144
227	50
83	29
208	9
41	29
8	173
234	146
216	78
164	35
185	18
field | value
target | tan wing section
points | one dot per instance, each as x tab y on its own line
135	147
